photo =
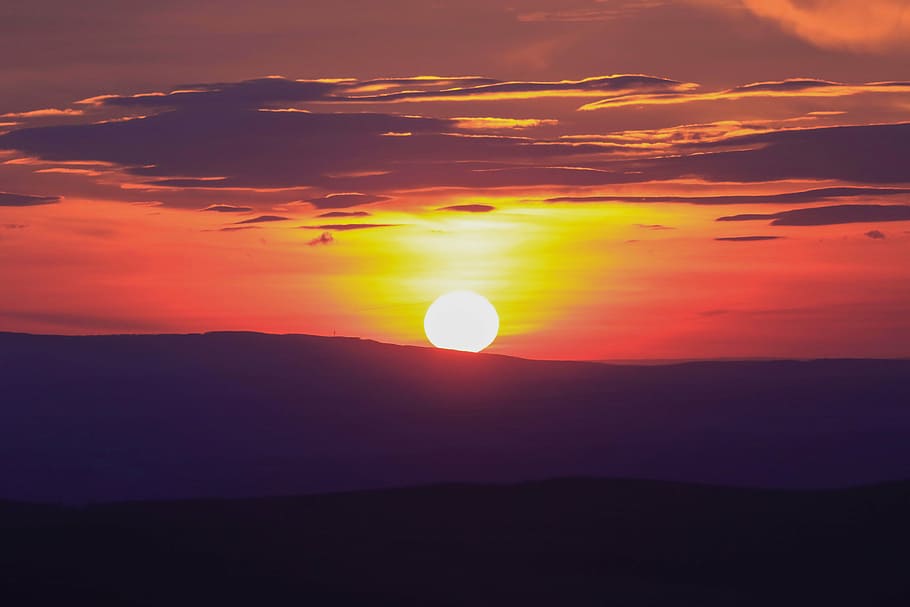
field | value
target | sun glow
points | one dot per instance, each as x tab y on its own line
461	320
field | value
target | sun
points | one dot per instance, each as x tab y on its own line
461	320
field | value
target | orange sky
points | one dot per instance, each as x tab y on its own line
623	180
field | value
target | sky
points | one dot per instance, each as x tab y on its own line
623	179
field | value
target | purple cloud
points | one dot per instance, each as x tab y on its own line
831	215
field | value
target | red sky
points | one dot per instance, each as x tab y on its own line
624	179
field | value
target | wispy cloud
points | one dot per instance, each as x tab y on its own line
469	208
491	123
237	228
747	238
323	239
264	219
25	200
830	215
803	196
44	113
345	227
345	200
270	93
341	160
797	87
227	208
597	86
344	214
600	10
653	226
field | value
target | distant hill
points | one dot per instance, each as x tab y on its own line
245	414
573	542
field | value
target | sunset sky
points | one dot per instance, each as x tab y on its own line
623	179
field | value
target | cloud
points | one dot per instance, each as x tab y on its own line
237	228
345	214
870	25
344	227
260	92
268	93
653	226
275	150
469	208
685	134
804	196
226	208
588	14
488	123
597	86
875	234
264	219
795	87
345	200
44	113
831	215
748	238
348	159
25	200
861	154
255	149
323	239
688	136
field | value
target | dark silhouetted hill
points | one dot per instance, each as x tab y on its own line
573	542
244	414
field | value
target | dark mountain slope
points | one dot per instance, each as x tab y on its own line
564	542
242	414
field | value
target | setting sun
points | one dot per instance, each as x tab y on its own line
461	320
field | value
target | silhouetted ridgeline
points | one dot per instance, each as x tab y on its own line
242	414
572	542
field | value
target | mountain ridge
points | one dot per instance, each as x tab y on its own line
95	418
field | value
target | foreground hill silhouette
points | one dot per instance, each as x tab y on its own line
571	542
244	414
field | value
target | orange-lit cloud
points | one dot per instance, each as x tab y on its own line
798	87
617	84
692	134
867	25
489	123
265	93
44	113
